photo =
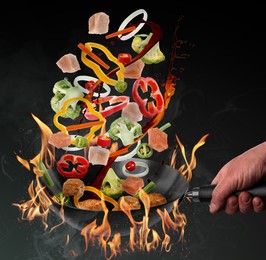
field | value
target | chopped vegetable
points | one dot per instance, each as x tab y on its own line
144	151
63	90
153	107
103	141
120	86
81	142
72	166
124	57
124	31
130	166
125	130
150	186
119	101
62	199
154	55
141	169
165	126
46	176
112	185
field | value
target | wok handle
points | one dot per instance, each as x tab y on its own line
204	193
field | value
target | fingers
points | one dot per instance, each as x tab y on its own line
244	203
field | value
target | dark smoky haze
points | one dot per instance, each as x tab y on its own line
220	91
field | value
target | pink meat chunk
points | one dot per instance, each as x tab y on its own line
68	63
157	139
59	140
98	155
98	23
132	112
134	70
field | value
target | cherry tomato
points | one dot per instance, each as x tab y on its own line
130	166
124	57
89	84
103	141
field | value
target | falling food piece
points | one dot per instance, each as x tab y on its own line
59	140
132	112
98	155
68	63
98	23
157	139
134	70
132	185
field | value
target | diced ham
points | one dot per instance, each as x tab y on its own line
68	63
132	185
132	112
59	140
98	155
157	139
134	70
99	23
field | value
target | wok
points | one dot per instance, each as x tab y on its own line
169	182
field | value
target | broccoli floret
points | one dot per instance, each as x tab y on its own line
125	130
112	185
63	90
154	55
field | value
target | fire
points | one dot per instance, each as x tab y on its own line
141	236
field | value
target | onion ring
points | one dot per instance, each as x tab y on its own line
128	19
128	155
140	174
88	78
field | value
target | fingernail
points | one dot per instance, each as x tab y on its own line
233	204
212	207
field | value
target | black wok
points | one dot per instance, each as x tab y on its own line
169	182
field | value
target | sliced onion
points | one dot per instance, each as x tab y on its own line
86	91
140	174
128	19
128	155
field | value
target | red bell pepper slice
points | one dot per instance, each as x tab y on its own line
153	107
123	101
73	166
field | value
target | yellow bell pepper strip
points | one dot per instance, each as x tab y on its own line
96	68
95	126
93	56
101	195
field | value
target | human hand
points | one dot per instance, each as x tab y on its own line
242	172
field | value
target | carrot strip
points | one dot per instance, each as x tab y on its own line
83	126
93	56
119	152
126	30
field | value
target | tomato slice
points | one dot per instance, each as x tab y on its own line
130	166
124	58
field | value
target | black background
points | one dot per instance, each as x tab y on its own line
221	92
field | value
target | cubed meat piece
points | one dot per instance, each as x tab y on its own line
73	187
99	23
157	139
68	63
134	70
132	185
59	140
98	155
132	112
